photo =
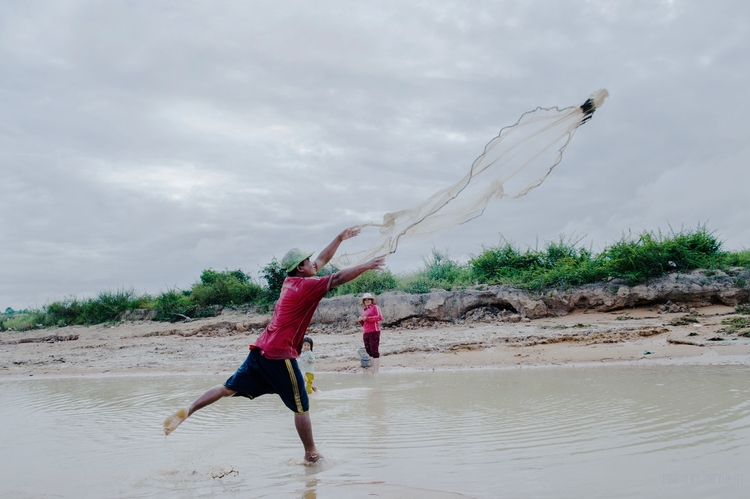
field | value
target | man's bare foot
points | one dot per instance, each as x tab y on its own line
173	421
312	457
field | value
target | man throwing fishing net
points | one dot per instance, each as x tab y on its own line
271	365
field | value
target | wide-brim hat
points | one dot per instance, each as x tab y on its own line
294	257
367	296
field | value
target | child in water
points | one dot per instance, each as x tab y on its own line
306	361
370	322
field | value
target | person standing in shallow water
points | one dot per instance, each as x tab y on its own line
271	366
370	322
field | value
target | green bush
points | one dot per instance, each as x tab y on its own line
737	259
71	311
172	304
654	254
634	258
439	272
274	276
560	264
224	288
417	284
31	319
369	282
506	261
440	268
108	305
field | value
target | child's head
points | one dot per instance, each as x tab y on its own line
367	299
307	343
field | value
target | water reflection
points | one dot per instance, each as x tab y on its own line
671	431
310	489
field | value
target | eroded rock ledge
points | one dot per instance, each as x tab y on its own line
699	288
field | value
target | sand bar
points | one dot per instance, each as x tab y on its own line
218	345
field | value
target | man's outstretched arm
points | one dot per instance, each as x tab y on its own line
352	273
330	250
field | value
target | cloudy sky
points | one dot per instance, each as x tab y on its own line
144	141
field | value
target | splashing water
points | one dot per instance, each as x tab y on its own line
516	161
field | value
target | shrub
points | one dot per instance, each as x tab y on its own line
440	268
369	282
108	305
506	261
72	311
737	259
30	319
274	276
653	254
561	264
224	288
439	271
172	304
416	284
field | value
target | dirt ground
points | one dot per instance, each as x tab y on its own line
219	344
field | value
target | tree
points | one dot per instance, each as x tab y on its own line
274	275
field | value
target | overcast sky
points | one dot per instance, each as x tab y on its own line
142	142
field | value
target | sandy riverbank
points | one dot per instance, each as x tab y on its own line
219	344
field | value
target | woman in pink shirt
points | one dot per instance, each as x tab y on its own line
370	322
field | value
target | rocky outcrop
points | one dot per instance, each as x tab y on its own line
698	288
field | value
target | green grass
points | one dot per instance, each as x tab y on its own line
739	325
439	272
648	255
69	312
737	259
173	305
370	281
225	288
634	258
561	264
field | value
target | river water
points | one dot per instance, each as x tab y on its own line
579	432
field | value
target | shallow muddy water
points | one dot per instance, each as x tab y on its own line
610	431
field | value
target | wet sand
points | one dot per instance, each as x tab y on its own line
218	345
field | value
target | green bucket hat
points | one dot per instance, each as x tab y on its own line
293	258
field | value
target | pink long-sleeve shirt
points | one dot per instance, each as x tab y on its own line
372	316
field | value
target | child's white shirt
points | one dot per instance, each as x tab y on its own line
306	362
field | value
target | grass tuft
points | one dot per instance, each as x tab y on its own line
649	255
739	325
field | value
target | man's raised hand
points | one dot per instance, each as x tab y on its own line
350	232
377	263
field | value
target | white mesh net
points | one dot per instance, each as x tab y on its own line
516	161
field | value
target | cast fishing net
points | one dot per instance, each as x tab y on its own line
518	160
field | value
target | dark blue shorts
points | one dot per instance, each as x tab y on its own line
258	376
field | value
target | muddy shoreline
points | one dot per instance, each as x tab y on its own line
218	345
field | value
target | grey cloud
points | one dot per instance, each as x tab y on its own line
281	123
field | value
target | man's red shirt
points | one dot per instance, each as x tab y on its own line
282	338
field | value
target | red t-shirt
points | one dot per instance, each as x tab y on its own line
282	338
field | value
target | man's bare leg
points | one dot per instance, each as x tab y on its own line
211	396
304	429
